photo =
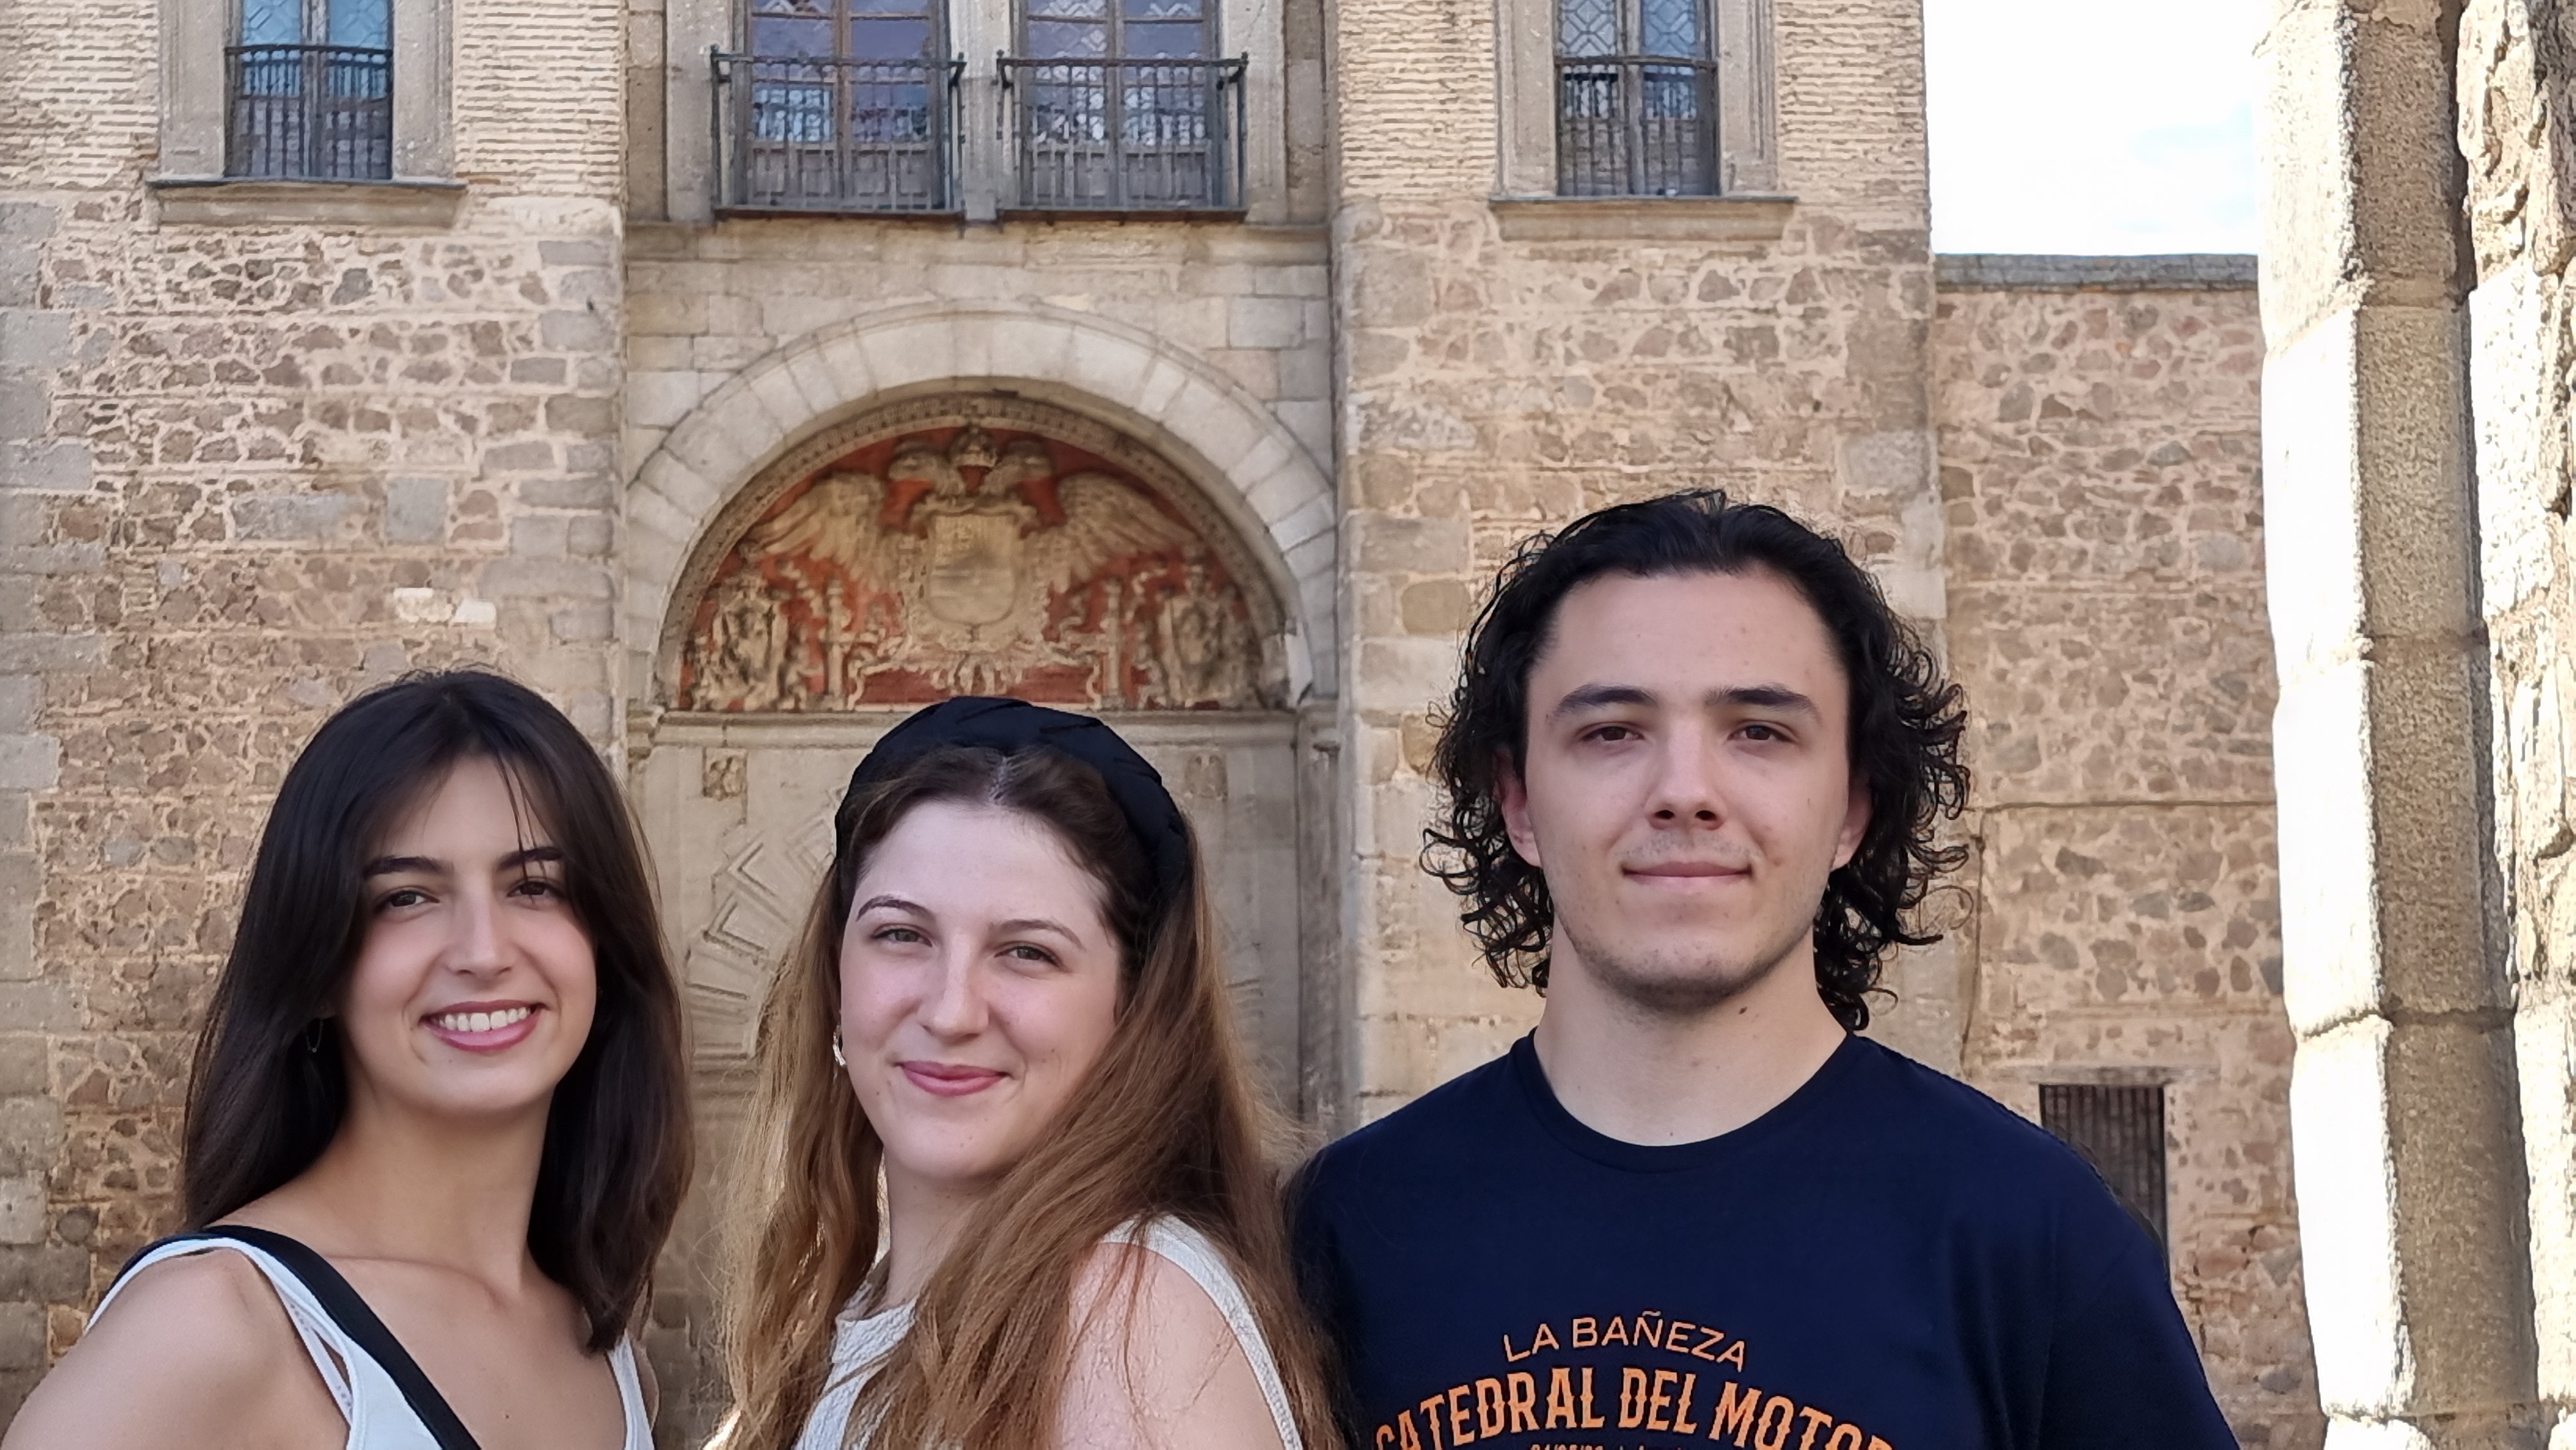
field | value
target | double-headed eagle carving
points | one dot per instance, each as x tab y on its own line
975	566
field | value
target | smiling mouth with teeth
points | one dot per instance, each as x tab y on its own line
480	1021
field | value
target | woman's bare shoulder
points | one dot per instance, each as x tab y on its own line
1154	1361
195	1349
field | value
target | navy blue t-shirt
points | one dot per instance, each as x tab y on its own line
1889	1260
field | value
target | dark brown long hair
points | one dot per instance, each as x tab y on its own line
1906	724
271	1082
1168	1122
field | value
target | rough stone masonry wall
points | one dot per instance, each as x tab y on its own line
2100	469
2517	83
245	472
1493	387
705	302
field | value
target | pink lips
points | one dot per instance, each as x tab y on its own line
948	1079
453	1025
1687	871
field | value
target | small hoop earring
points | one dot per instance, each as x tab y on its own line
837	1059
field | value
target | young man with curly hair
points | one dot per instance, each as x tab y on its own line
1694	767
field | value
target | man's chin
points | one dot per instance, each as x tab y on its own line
1677	984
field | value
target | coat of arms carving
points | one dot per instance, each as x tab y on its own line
964	561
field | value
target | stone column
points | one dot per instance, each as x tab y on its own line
2518	138
2410	1173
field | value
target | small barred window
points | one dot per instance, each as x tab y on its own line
2120	1130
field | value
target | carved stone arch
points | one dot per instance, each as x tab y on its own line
1245	465
1094	574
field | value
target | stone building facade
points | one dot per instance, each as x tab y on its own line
736	479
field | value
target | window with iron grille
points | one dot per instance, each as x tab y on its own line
839	105
1636	98
1125	105
310	91
2120	1130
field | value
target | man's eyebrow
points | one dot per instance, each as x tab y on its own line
1599	697
1765	697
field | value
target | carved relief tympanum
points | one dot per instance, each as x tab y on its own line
971	560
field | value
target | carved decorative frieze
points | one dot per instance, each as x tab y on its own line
972	559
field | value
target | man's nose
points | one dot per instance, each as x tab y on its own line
1686	778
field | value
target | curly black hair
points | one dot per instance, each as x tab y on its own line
1906	724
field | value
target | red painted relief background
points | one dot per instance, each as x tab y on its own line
965	561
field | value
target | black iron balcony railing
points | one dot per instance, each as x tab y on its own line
825	135
310	112
1636	125
1126	135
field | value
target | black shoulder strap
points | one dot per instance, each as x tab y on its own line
355	1319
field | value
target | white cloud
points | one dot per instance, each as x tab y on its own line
2092	125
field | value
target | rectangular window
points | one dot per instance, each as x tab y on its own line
310	91
840	105
2120	1130
1636	88
1123	105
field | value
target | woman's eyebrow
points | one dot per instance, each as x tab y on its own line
432	866
889	903
1039	923
406	866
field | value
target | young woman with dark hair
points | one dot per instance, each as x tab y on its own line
437	1128
1005	1185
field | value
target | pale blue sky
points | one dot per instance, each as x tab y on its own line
2092	125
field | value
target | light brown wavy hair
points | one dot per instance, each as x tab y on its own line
1168	1122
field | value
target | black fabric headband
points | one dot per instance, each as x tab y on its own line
1007	725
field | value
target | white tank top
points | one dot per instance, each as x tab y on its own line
861	1341
378	1415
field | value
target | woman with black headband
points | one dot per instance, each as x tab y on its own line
1005	1183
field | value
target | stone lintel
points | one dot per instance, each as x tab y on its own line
2035	272
1642	218
238	201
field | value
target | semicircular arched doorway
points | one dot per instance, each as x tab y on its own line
951	545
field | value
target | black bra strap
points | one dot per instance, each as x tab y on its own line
353	1316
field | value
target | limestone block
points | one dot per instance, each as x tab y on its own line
2359	161
415	510
2426	1311
29	762
2521	436
1265	322
678	486
293	517
34	339
1110	368
2544	1040
2363	429
1224	433
660	399
2346	1219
